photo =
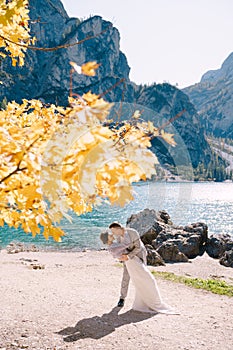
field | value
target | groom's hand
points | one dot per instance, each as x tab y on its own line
124	257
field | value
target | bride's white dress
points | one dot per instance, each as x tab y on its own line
147	296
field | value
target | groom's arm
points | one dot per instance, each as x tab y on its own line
136	249
135	238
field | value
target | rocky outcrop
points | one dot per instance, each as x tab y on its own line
156	229
153	257
221	247
212	97
170	252
178	243
146	222
46	75
227	258
190	240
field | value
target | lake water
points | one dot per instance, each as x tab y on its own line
211	203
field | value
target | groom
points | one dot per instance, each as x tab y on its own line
131	238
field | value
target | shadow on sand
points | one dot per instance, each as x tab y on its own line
97	327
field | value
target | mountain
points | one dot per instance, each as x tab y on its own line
213	98
167	101
46	76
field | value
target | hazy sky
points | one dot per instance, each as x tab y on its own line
166	40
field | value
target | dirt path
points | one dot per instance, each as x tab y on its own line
70	304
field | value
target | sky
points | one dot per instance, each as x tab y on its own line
174	41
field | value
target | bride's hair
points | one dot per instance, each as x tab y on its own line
104	237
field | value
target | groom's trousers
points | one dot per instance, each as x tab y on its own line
124	282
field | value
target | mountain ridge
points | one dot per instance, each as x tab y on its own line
213	98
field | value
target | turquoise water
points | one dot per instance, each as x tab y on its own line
211	203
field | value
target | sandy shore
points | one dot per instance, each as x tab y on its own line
70	304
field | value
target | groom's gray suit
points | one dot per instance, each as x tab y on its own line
135	248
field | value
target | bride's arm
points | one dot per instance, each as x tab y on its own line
117	249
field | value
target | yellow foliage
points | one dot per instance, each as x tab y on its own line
14	29
54	159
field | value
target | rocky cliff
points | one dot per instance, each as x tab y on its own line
167	101
213	98
46	75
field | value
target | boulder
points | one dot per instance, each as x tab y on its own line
145	222
200	229
192	246
191	240
152	234
227	258
217	245
214	247
149	223
169	252
163	216
153	257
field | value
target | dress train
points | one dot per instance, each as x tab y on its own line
147	296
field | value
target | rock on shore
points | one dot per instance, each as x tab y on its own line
166	242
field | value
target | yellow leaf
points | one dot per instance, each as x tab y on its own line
57	233
26	227
150	127
89	68
137	114
33	227
46	232
168	137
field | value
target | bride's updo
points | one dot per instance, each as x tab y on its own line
104	237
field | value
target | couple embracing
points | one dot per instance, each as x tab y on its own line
124	243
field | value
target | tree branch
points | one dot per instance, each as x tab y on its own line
172	119
48	49
18	169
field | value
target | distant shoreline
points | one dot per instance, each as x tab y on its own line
22	247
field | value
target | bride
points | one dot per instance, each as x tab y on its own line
147	296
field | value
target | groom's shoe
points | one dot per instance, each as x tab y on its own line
121	302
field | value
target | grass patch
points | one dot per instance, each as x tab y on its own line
211	285
118	264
